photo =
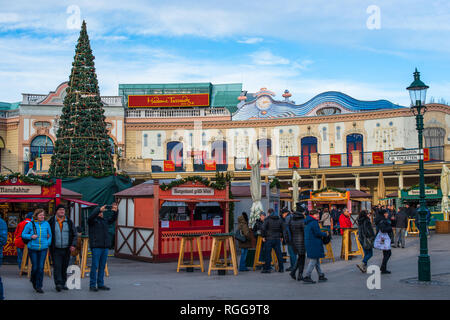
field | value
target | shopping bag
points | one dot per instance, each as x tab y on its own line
382	241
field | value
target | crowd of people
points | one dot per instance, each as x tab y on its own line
59	237
304	233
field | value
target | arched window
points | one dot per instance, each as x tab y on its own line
309	145
175	153
203	139
190	139
434	139
354	142
158	137
145	140
41	145
219	153
324	134
265	148
338	133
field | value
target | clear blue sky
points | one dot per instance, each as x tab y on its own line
305	46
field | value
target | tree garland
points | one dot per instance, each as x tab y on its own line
430	186
220	184
326	189
45	181
275	183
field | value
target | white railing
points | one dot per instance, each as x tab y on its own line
176	113
33	98
112	100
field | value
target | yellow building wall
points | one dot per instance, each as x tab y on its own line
10	155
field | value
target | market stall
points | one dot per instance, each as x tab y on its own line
152	216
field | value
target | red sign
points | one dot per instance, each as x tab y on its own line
378	157
294	161
210	165
169	165
248	166
31	164
168	100
426	154
335	160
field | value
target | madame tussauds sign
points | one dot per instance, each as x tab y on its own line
17	190
192	191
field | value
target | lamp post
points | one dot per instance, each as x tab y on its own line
418	91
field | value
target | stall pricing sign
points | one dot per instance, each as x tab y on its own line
20	190
176	191
378	157
168	100
294	161
210	165
169	165
335	160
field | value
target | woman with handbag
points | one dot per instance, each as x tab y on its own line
384	239
366	238
244	230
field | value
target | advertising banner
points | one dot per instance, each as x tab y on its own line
378	157
335	160
168	100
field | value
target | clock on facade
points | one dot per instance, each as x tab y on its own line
263	104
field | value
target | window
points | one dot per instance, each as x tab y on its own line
338	133
324	130
203	139
190	139
145	140
108	125
328	111
434	139
159	139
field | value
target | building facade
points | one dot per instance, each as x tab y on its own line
165	130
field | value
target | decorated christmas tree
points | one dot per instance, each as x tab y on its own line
82	146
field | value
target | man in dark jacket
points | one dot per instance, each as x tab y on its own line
257	232
99	241
64	241
273	231
400	228
314	246
3	240
335	216
296	227
286	216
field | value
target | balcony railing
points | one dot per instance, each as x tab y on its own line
177	113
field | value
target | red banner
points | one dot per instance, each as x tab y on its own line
294	161
426	154
335	160
248	166
169	165
378	157
210	165
168	100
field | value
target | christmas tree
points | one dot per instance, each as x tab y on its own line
82	146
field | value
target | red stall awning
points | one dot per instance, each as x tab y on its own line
25	200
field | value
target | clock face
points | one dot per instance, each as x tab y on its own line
263	103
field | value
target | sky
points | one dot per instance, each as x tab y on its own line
366	49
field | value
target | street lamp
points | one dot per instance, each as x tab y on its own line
418	92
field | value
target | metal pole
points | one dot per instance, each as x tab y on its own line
424	258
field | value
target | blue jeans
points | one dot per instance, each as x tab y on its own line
19	256
367	255
37	270
242	263
292	255
99	256
276	245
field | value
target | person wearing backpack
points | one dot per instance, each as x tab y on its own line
39	235
3	240
18	242
244	246
366	237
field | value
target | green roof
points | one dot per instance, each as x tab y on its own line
9	106
225	95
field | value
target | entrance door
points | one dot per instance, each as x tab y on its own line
309	145
354	142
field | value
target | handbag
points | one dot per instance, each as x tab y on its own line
326	240
240	236
382	241
35	232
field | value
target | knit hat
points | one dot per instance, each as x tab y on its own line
60	206
29	215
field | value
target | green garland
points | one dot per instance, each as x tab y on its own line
44	181
220	184
430	186
327	189
275	183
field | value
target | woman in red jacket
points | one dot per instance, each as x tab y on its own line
18	242
344	221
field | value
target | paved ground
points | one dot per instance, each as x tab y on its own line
140	280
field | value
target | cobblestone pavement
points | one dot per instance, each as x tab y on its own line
140	280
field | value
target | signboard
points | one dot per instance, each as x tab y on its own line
20	190
294	161
335	160
194	191
409	155
378	157
169	165
168	100
416	192
210	165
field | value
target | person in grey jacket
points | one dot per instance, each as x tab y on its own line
400	228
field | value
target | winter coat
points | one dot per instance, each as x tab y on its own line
243	227
18	242
313	239
44	233
393	221
257	228
366	236
326	219
384	225
401	219
344	222
3	237
297	229
72	232
99	229
273	228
